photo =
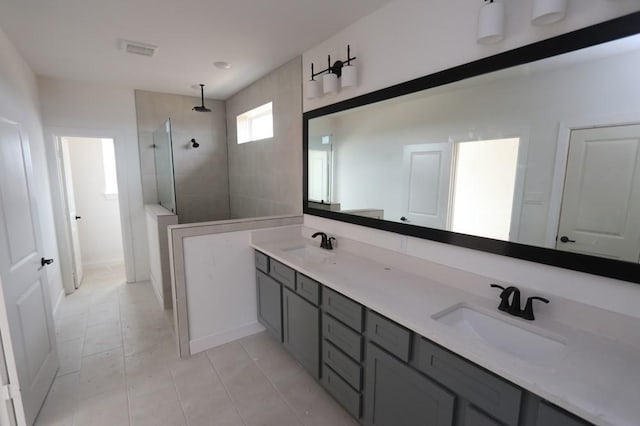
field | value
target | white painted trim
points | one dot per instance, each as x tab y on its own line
562	153
56	304
55	175
176	235
213	340
155	285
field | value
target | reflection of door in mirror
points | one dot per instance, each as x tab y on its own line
600	213
470	190
320	168
319	175
426	192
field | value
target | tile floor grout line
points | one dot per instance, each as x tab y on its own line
226	389
175	388
273	385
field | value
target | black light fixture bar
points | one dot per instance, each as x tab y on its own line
336	68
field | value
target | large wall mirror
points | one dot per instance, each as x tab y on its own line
533	153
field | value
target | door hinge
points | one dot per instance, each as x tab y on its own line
9	392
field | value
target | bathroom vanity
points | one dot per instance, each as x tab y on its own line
394	347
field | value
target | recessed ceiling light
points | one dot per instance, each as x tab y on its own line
222	65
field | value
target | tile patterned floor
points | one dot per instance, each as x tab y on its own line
118	366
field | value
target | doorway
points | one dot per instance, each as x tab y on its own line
91	203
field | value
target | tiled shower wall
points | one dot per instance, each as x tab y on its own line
201	176
265	177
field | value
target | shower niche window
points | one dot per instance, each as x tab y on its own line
163	160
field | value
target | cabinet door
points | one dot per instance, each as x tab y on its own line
269	304
302	331
549	415
396	394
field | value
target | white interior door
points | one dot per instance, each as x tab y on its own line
72	213
600	213
26	321
427	168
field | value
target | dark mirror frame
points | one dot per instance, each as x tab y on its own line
600	33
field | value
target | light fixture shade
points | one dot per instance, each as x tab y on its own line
349	76
547	12
330	83
491	23
313	89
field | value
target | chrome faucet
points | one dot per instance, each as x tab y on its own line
327	242
513	307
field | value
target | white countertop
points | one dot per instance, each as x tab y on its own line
596	378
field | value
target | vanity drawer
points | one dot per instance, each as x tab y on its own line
484	390
388	335
343	308
283	273
262	261
342	336
347	368
342	392
308	288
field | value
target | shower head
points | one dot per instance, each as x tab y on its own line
201	108
194	143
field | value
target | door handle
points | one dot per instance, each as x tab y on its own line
45	262
78	217
566	239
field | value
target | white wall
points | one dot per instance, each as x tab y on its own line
429	36
221	294
19	103
99	229
529	105
434	36
89	110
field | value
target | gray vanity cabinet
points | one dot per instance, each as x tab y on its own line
301	335
382	373
398	395
551	416
343	350
269	293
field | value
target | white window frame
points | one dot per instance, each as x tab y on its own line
244	124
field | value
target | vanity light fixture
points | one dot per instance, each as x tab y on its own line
313	86
491	22
341	71
546	12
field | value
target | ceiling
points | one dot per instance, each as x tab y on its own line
79	39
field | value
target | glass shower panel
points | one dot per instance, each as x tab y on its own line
163	158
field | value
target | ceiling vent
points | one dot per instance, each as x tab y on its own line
138	48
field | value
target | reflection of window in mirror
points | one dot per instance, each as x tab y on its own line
320	166
483	185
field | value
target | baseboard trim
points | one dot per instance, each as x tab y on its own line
213	340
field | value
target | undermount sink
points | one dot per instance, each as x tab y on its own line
536	347
309	254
